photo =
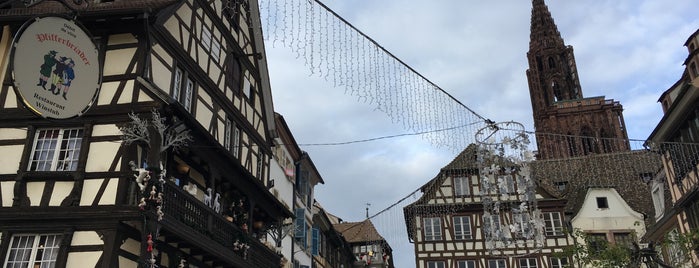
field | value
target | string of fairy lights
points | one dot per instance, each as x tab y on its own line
332	49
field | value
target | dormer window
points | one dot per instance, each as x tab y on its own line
602	203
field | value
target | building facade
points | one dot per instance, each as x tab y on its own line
370	249
676	137
448	224
79	192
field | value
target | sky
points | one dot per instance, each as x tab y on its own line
627	50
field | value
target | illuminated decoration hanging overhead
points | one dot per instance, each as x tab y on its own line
512	221
335	50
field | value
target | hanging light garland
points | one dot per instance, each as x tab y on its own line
512	221
333	49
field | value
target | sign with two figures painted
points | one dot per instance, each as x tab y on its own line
56	68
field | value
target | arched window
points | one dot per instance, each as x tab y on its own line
557	95
552	63
607	141
589	142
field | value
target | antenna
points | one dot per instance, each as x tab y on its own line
367	209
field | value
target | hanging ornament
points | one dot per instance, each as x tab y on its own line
512	222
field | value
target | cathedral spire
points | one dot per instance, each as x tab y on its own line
558	105
543	32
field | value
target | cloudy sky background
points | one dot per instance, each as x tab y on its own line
627	50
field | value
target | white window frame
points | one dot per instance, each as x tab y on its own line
523	221
247	88
497	263
553	226
227	134
432	228
56	153
236	141
528	263
465	228
506	184
31	250
188	95
466	264
462	186
177	84
210	43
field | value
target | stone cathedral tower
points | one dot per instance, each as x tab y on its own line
566	123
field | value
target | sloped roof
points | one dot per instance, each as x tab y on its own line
621	171
89	8
359	232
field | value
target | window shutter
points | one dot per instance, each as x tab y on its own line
300	223
315	241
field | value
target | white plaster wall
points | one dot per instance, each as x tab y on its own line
619	215
7	188
82	238
83	259
10	165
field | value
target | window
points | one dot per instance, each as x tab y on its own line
210	44
227	134
236	141
248	89
33	250
461	186
658	198
602	202
491	224
56	150
523	224
553	224
506	184
177	84
188	92
436	264
315	241
433	229
466	264
561	185
527	263
559	263
498	263
462	227
177	93
624	240
596	243
300	226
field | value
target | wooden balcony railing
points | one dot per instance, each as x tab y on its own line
180	206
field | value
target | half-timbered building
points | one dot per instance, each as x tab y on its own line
676	137
369	247
69	196
447	224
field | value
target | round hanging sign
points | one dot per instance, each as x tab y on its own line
55	67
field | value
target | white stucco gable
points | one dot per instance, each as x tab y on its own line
593	216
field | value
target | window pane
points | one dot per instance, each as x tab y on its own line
56	150
189	90
466	264
462	227
42	248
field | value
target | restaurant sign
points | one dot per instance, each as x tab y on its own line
55	67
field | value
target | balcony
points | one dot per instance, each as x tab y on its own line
188	221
